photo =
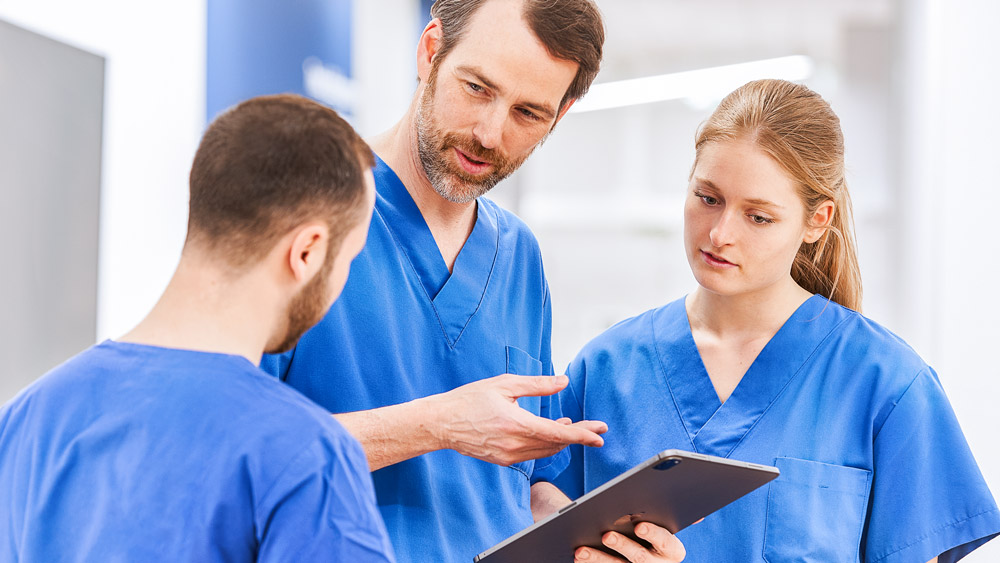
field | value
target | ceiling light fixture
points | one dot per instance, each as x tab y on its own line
696	85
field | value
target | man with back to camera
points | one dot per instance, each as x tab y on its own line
168	444
450	290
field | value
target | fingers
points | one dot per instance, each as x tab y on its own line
556	433
665	547
531	385
483	420
631	550
662	540
595	426
591	555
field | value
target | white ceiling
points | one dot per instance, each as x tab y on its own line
648	37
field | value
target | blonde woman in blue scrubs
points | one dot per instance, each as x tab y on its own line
769	360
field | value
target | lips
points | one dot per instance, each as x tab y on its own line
470	164
715	260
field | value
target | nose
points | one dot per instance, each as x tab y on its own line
724	230
489	129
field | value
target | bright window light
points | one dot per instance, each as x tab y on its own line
696	85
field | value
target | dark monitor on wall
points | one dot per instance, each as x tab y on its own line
51	115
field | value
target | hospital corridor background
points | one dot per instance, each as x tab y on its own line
102	104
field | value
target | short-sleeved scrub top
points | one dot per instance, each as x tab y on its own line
405	328
139	453
874	466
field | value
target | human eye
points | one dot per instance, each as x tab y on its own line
705	198
760	219
528	114
475	88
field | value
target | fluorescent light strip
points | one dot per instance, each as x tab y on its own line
714	82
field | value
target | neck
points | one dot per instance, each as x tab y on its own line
206	310
750	315
398	148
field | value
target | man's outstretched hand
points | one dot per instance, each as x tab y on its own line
483	420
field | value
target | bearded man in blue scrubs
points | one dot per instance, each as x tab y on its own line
450	291
168	444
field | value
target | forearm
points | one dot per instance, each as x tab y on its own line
546	498
393	434
480	419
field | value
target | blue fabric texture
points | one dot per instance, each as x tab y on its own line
405	328
138	453
874	466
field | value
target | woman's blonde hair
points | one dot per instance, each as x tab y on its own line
799	130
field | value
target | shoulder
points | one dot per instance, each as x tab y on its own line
864	342
638	332
64	383
288	436
508	224
288	410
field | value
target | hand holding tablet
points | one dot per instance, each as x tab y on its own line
673	489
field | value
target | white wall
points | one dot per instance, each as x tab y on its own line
384	60
947	202
154	115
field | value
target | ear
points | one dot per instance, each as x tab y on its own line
307	250
819	221
428	47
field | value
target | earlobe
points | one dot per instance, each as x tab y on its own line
428	47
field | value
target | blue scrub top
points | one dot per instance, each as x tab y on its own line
874	466
138	453
405	328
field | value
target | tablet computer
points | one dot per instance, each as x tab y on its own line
672	489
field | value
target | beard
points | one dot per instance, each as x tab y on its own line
447	178
305	310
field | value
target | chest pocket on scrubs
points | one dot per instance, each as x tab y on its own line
520	362
815	512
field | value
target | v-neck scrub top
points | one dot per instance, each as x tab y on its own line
139	453
874	466
404	328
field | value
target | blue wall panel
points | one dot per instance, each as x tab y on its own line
257	47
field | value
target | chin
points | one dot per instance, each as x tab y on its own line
712	284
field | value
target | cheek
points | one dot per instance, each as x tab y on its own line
695	224
450	106
779	249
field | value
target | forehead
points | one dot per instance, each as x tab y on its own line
741	169
499	41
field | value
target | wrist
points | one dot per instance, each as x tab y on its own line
426	419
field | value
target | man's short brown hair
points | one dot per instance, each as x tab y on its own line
571	30
268	165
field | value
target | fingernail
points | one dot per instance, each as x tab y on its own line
583	554
640	529
562	379
612	539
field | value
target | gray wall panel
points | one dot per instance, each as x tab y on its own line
51	104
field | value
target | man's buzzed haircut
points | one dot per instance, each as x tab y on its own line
571	30
268	165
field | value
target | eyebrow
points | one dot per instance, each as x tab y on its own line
752	201
545	110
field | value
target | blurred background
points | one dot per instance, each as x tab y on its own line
102	104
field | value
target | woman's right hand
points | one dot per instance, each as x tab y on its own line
666	548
